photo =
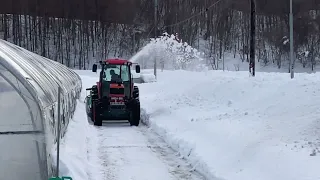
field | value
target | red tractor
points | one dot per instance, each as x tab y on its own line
114	97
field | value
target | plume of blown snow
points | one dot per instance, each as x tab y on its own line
170	54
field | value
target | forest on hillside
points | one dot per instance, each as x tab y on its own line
213	27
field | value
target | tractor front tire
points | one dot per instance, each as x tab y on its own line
92	112
135	114
97	120
136	92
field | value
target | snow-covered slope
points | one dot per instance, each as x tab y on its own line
236	127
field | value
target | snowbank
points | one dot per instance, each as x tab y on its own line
78	154
236	127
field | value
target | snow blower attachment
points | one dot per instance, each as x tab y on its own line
114	97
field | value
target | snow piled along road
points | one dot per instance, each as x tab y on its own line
228	125
117	151
235	127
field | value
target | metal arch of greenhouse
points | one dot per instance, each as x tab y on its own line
28	111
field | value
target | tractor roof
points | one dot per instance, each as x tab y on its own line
117	61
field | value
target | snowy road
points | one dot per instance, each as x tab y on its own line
117	151
138	154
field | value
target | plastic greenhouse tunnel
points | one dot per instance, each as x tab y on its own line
28	110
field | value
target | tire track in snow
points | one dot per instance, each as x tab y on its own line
178	166
135	153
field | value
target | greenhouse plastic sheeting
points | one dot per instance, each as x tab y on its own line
28	111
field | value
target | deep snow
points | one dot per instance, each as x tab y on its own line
236	127
228	125
116	150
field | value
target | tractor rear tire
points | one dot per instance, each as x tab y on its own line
136	92
135	114
97	120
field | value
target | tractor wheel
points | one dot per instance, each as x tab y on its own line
97	120
92	111
136	92
135	114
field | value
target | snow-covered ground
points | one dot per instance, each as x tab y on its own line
79	148
117	151
227	125
235	127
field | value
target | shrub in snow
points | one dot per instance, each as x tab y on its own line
170	54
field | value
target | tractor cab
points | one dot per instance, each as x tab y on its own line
115	78
115	96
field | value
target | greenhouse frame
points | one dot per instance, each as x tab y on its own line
28	111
